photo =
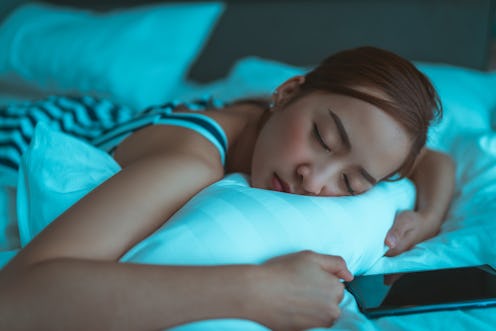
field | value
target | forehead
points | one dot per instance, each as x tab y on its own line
379	143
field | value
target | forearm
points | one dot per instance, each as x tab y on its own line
434	177
68	294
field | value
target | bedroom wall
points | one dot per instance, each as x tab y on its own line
302	33
492	58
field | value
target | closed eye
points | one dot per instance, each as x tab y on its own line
319	138
348	186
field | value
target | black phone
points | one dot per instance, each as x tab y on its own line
424	291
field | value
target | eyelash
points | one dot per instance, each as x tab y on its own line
347	182
319	138
323	144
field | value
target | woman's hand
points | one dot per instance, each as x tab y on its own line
434	178
300	291
409	228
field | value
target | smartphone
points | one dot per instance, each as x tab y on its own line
424	291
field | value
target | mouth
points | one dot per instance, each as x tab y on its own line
280	185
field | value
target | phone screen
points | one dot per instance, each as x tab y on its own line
403	293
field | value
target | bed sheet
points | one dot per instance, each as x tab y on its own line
466	238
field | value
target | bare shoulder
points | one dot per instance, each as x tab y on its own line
166	139
163	167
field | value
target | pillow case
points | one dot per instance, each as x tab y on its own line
55	172
227	222
135	56
231	222
250	76
468	99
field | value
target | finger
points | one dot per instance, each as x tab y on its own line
340	294
334	265
394	251
345	275
394	236
398	231
403	245
397	250
391	239
335	313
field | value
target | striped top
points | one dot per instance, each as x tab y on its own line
99	122
164	115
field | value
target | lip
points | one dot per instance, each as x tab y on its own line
280	185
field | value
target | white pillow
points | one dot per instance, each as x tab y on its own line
55	172
135	56
228	222
468	98
250	76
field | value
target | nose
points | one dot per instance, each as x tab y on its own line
315	181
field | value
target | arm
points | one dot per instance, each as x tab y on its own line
434	177
68	277
82	294
293	292
88	239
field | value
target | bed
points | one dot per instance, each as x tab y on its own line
195	50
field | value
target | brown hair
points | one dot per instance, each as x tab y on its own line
411	98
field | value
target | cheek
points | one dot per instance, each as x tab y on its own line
293	140
300	142
280	143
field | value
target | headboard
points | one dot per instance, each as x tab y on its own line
302	33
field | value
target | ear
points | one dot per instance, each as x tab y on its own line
287	90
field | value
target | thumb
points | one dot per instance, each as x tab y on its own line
335	265
401	225
392	238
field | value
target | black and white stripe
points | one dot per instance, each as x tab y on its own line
99	122
83	117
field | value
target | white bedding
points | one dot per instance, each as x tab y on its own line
469	233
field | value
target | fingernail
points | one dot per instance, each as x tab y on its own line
392	241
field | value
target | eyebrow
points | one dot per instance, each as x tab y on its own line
346	141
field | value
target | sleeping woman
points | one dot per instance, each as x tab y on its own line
358	118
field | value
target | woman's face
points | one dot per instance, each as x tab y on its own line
327	145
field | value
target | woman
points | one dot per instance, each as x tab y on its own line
358	118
